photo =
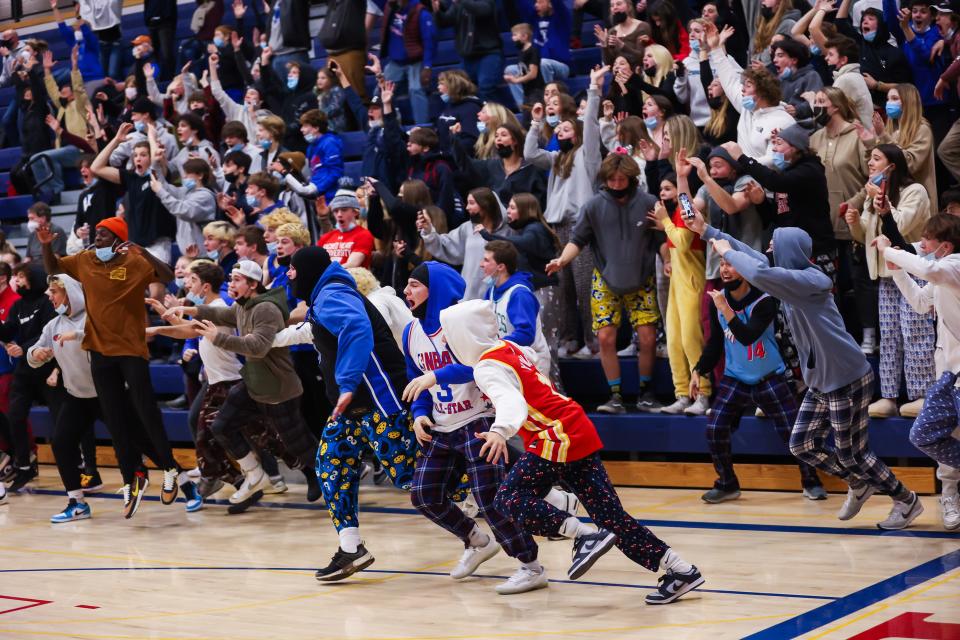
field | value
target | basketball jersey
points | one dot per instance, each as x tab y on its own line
505	327
454	405
556	429
750	363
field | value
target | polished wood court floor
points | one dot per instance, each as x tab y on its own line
776	566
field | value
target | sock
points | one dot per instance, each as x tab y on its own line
350	539
644	384
572	527
614	385
557	499
76	495
183	478
534	566
671	561
478	538
249	463
901	493
276	479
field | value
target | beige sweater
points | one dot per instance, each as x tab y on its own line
910	214
919	160
844	158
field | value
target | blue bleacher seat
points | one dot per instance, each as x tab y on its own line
15	207
353	144
9	157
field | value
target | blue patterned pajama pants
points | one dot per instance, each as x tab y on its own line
932	431
907	341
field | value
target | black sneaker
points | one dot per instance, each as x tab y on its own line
343	565
133	494
21	478
380	475
314	492
672	585
587	549
240	507
647	403
7	469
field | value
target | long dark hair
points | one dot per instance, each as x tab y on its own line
899	177
489	205
667	32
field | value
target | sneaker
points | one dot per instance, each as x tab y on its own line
855	501
314	492
716	496
3	494
22	477
168	491
816	492
628	352
587	549
869	343
699	407
647	403
91	482
243	505
883	408
950	511
7	470
672	585
366	468
380	475
180	402
257	481
209	486
74	511
902	514
194	474
192	496
614	405
473	557
523	580
678	407
343	565
133	494
584	354
911	409
277	486
573	503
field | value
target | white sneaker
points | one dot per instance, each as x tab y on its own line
855	501
902	514
677	407
699	407
523	580
194	474
949	509
469	506
583	354
3	494
573	503
277	486
473	557
255	481
628	352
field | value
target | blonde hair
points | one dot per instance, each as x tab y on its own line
842	102
278	218
522	28
296	232
765	29
459	85
498	115
220	230
683	135
717	124
366	283
906	129
664	61
274	125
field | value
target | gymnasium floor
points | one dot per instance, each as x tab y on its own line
776	566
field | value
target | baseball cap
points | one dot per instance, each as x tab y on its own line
249	269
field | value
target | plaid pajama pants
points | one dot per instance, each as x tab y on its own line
907	339
775	397
211	457
932	431
438	472
531	478
844	412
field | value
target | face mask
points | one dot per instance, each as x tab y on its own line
346	228
292	82
516	225
489	281
78	35
619	194
32	226
786	73
253	201
732	285
504	151
518	44
198	112
130	92
105	254
271	247
749	103
695	45
179	282
231	178
218	42
894	110
264	144
445	98
250	104
62	310
263	44
814	50
670	205
565	145
481	126
876	179
780	161
870	37
284	261
650	123
189	184
195	299
309	137
618	18
936	252
237	147
766	12
375	124
820	116
476	218
277	175
214	255
651	70
715	103
140	126
553	120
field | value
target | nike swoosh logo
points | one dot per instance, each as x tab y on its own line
861	496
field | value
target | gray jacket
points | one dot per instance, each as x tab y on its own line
192	208
803	79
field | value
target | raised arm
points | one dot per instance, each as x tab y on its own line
101	164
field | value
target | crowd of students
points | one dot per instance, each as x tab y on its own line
748	189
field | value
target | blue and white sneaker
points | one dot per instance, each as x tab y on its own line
192	496
74	511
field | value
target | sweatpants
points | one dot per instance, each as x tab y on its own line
907	340
932	431
684	331
842	413
118	379
575	287
338	459
27	387
774	396
521	498
74	423
438	473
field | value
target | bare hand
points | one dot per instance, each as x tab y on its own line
694	385
421	429
188	355
881	243
852	217
206	329
14	350
424	223
418	385
342	403
494	447
45	235
721	246
66	336
42	354
553	266
536	113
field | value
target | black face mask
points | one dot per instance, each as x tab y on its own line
64	102
230	177
620	194
820	116
650	71
420	311
766	13
476	218
618	18
516	225
198	112
518	44
284	261
504	151
670	206
565	145
715	103
832	68
732	285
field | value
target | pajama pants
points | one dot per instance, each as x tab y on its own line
531	478
212	459
574	299
684	331
775	397
844	413
338	459
932	431
907	340
438	472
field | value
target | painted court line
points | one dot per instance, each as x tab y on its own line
415	573
847	605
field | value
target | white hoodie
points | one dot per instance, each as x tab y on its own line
73	361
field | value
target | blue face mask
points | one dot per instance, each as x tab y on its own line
780	161
140	126
749	103
214	255
292	82
189	184
253	201
481	126
105	254
62	309
218	42
271	247
179	282
870	37
445	98
195	299
894	110
309	137
265	144
814	50
237	147
650	123
489	281
695	46
786	73
553	120
876	179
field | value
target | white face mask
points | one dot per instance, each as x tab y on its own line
32	226
936	252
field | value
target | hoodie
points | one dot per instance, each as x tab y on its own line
829	357
28	316
192	208
358	353
804	79
455	400
885	62
518	317
552	426
74	362
849	79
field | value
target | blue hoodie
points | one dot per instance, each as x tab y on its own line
829	357
325	157
446	289
556	44
522	310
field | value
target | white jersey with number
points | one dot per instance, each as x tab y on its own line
454	405
505	327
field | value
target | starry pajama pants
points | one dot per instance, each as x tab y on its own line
932	431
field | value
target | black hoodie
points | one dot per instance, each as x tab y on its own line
28	316
883	61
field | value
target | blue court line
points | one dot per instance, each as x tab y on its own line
416	573
675	524
842	607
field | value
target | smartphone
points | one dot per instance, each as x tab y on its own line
333	65
843	209
686	207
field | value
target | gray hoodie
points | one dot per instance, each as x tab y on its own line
804	79
829	356
73	361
